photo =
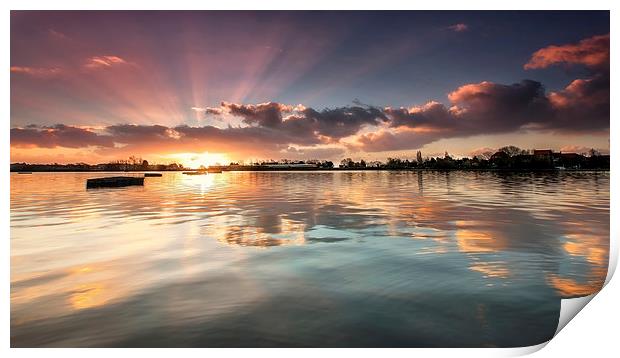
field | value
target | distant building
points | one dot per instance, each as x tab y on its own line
543	153
568	160
291	165
570	156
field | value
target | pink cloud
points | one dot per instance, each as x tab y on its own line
591	52
57	34
95	62
460	27
104	61
41	72
586	92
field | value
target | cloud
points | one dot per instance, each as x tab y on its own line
341	122
307	125
491	108
583	104
268	128
209	110
59	135
476	108
263	114
592	52
398	139
271	127
97	62
39	72
460	27
57	34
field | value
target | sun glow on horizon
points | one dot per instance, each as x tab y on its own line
195	160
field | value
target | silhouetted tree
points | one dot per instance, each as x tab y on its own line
418	157
512	151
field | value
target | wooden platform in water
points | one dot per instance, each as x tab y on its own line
195	173
113	182
152	175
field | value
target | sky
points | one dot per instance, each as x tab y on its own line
200	87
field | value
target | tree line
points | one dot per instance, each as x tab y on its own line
508	157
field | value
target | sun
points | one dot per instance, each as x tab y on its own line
195	160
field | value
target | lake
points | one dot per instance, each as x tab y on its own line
304	259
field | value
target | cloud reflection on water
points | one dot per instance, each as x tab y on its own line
188	247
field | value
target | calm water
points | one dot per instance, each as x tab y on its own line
303	259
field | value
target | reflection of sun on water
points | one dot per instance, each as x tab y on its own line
200	183
87	296
491	269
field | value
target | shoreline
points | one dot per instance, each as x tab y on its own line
330	170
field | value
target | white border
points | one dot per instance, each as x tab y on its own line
596	325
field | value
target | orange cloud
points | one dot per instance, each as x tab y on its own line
591	52
470	90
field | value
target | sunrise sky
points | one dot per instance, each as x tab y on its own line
203	87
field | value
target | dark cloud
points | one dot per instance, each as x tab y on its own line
583	105
59	135
479	108
264	114
342	122
306	125
491	108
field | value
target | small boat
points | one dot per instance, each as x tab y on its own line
214	170
113	182
24	172
195	173
146	175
